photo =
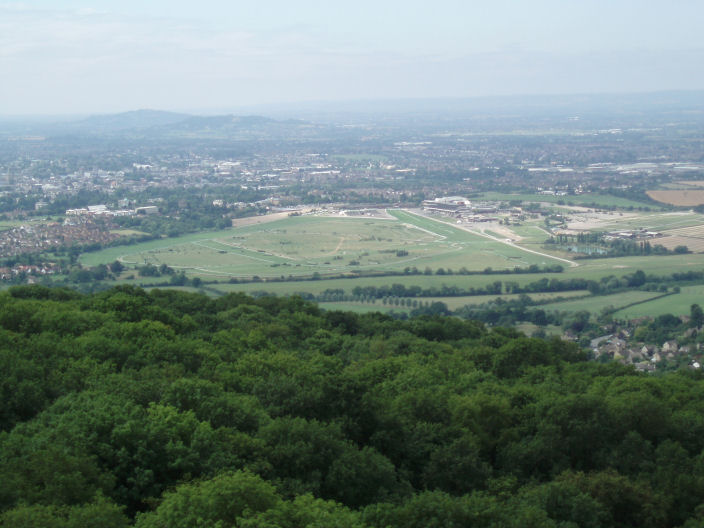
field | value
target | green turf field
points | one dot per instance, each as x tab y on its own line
425	281
676	304
327	245
656	265
457	302
579	199
363	307
659	221
332	246
452	302
595	304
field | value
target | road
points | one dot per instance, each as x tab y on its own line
501	240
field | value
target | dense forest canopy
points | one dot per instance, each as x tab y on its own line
171	409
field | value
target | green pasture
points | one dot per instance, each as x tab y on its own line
326	245
653	264
529	328
588	268
111	254
653	221
603	200
304	245
347	284
5	225
594	304
186	289
532	234
363	307
457	302
676	304
452	303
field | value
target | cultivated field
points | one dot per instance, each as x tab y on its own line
676	304
452	302
579	199
298	247
424	281
615	221
683	198
595	304
692	237
656	265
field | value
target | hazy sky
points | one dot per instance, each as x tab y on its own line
75	56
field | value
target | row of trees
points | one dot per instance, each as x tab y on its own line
594	245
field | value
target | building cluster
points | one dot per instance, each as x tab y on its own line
465	210
38	238
636	234
102	210
32	270
645	357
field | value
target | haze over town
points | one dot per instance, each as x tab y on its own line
83	57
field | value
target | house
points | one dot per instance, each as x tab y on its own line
594	343
670	347
644	366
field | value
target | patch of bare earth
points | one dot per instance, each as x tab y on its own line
692	237
254	220
684	198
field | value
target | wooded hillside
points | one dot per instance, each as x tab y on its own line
168	409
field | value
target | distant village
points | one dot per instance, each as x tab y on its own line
622	347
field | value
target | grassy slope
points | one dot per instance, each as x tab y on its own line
302	245
452	302
580	199
596	303
677	304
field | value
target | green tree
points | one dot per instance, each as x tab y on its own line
696	315
220	502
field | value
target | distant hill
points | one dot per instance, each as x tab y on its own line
135	119
155	124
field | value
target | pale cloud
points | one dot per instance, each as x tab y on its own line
88	60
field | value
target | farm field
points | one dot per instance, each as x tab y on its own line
692	237
656	265
682	198
347	284
615	221
186	289
530	234
363	307
588	268
304	245
9	224
457	302
128	232
111	254
598	302
676	304
452	302
578	199
529	328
